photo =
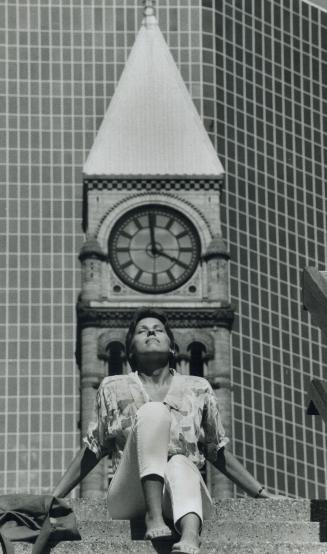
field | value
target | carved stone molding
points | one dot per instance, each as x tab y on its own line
148	184
161	197
183	318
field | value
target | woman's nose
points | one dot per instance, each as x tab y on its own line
151	332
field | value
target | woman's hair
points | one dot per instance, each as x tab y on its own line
142	313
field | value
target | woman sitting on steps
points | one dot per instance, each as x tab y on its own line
158	426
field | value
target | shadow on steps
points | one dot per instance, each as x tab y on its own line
318	512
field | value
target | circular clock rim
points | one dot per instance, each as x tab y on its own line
149	289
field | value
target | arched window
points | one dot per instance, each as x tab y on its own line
116	356
197	352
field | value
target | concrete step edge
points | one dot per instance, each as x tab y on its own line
246	509
225	531
210	547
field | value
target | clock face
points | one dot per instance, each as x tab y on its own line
154	249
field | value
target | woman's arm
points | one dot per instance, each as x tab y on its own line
233	469
81	465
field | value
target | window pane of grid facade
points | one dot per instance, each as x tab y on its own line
255	71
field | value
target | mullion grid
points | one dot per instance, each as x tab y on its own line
281	315
200	101
266	411
40	252
303	438
44	196
29	338
316	258
291	389
18	342
6	307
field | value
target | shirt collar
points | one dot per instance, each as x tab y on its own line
137	390
173	397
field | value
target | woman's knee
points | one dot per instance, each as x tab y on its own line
154	411
181	464
179	460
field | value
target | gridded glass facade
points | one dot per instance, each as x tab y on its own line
255	72
265	98
60	63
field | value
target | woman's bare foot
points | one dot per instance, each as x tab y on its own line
156	527
154	522
190	531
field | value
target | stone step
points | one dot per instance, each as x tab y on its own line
241	526
244	509
224	531
123	546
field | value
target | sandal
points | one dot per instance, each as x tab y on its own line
158	533
185	548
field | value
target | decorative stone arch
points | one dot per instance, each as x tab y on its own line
139	200
106	338
184	341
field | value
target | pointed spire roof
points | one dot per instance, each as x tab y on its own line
152	127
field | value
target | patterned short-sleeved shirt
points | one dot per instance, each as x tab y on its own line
196	428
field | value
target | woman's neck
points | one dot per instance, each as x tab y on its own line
158	376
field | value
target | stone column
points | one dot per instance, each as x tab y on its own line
91	258
91	375
184	364
219	378
219	369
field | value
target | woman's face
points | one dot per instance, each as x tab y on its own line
150	338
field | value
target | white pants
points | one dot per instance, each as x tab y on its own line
146	453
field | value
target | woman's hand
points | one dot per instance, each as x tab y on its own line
264	494
236	472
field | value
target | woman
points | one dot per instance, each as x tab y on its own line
158	426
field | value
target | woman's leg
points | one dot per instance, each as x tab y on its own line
186	498
136	488
153	433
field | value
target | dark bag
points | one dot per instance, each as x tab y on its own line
41	519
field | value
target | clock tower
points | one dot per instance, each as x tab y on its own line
151	216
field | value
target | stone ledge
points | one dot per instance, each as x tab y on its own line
246	509
142	547
228	531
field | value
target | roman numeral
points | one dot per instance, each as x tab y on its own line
154	279
152	219
125	234
138	275
186	249
169	223
170	275
178	262
126	264
137	223
182	234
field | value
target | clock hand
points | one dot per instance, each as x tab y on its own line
153	241
171	258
